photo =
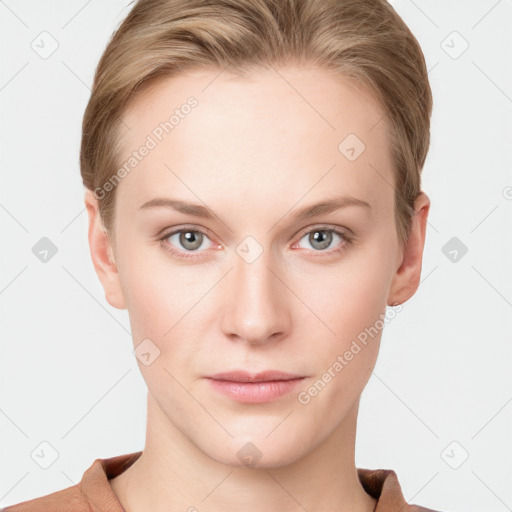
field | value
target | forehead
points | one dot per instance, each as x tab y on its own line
292	130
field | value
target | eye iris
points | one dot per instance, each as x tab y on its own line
324	240
191	237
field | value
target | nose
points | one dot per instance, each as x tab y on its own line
255	309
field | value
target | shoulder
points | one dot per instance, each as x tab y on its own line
93	492
383	484
64	500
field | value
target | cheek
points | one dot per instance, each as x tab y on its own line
352	305
152	295
350	300
167	304
158	291
159	301
347	298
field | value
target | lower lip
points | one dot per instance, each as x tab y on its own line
255	392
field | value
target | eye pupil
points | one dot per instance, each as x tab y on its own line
323	239
191	237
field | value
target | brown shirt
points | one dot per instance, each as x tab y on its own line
94	494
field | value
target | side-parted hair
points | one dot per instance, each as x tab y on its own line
363	40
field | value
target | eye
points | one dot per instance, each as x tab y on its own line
321	238
185	240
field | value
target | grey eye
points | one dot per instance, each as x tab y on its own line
189	239
320	239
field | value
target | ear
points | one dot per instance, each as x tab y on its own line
102	254
407	277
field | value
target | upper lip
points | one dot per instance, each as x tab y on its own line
244	376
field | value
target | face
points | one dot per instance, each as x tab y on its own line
224	265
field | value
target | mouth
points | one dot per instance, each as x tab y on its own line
266	376
261	387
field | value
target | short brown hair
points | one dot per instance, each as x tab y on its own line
365	40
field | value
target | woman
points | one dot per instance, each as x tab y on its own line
252	173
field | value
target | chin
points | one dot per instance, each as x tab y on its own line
260	452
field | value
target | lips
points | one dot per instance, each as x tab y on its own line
262	387
244	376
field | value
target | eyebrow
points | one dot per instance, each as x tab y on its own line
197	210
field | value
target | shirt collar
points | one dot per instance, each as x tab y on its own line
381	484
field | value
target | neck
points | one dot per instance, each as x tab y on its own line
172	474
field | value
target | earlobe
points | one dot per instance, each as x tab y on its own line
102	254
407	276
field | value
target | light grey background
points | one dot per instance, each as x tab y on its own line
442	386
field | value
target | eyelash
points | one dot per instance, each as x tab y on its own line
342	246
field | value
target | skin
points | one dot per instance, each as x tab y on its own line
254	150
